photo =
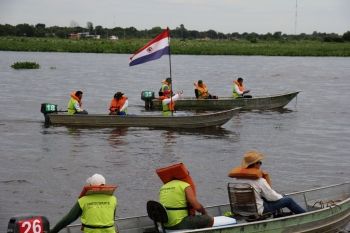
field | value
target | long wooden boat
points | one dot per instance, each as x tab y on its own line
328	210
152	121
222	103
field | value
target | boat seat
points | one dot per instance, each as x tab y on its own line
243	203
157	213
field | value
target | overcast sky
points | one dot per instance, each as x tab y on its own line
260	16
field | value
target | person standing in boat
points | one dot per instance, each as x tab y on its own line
267	199
96	206
165	89
178	196
238	90
119	104
75	103
201	91
168	103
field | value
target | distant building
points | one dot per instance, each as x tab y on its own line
113	38
74	36
80	35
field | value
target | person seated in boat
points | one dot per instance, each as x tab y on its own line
96	208
201	91
168	103
75	103
178	196
165	90
238	90
119	104
267	199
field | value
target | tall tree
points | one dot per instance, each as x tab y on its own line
90	27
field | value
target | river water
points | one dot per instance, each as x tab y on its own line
43	169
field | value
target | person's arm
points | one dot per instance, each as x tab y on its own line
111	108
238	91
77	107
191	198
126	104
174	98
73	214
267	192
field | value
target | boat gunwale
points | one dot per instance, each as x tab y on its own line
202	115
243	224
185	98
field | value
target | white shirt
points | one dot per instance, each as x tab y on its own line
237	90
168	100
262	189
77	107
126	104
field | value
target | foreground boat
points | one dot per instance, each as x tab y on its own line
222	103
328	210
214	119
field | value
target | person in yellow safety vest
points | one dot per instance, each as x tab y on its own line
239	90
175	196
75	103
165	89
168	104
97	211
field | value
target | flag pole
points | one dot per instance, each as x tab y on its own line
171	78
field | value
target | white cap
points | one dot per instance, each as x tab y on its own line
96	179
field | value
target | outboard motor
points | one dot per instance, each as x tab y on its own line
148	96
48	108
28	224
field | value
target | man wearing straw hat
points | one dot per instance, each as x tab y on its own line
267	199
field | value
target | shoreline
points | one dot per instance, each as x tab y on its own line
180	47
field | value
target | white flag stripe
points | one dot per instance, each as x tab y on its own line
154	48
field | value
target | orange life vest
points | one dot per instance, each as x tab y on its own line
76	98
98	189
249	173
176	172
117	104
203	91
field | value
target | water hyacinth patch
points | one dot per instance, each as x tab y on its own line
25	65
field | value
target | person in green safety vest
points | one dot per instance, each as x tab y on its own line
96	208
75	103
238	89
168	103
178	197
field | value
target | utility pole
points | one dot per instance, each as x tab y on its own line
296	17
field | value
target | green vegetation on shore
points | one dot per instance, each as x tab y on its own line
25	65
191	47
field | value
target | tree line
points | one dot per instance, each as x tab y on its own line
40	30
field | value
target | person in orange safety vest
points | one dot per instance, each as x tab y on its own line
201	91
119	104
